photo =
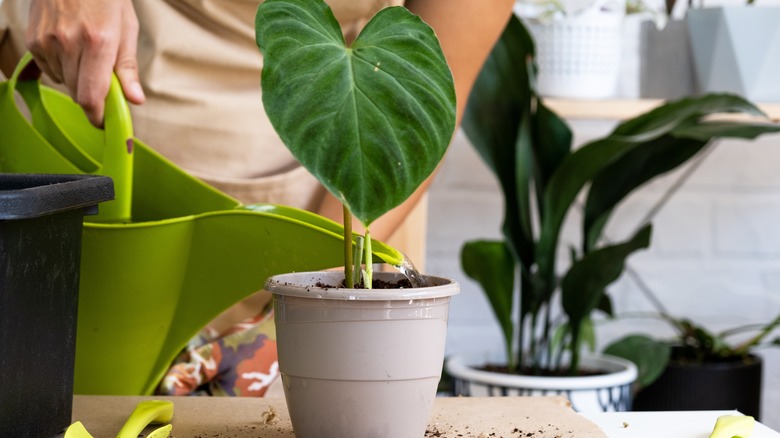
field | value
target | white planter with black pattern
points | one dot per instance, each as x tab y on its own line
606	392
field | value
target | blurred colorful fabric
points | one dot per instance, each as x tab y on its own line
240	362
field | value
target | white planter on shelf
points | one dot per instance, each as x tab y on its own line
736	49
579	55
355	362
610	391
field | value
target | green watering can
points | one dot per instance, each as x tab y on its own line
169	254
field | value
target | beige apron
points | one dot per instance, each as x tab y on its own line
200	69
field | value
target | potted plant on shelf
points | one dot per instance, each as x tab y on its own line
371	121
735	49
698	369
579	45
528	147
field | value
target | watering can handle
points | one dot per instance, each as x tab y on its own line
117	159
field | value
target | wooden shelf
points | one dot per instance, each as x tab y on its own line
620	109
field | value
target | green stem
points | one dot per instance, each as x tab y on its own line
359	242
745	347
532	345
575	349
368	256
349	278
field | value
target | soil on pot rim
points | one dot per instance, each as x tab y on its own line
376	284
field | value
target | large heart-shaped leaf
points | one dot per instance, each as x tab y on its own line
370	121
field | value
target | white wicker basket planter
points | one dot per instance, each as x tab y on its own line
606	392
578	57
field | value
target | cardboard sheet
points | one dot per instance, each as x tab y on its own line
237	417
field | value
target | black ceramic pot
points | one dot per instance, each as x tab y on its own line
726	385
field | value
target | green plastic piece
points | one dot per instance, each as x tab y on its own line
733	426
161	432
185	253
77	430
146	413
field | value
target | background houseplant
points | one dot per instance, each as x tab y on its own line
529	149
698	369
370	121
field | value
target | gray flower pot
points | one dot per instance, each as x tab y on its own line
737	49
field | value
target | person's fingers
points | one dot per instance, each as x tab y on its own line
94	80
127	62
78	43
44	57
47	41
70	73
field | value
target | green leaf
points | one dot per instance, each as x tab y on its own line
649	355
492	265
500	96
628	172
583	285
587	335
574	172
707	130
605	305
552	139
667	117
497	122
370	121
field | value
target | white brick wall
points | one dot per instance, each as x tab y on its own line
714	256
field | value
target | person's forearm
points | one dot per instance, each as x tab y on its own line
467	31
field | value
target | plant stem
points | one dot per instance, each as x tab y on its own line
349	278
532	348
359	243
744	348
574	366
369	280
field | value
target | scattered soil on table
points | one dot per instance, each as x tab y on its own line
450	432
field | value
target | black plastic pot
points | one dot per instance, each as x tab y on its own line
711	386
41	220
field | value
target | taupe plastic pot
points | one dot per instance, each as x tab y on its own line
359	363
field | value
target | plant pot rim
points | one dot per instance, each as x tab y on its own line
751	360
305	285
619	371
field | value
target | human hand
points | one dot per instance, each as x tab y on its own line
80	42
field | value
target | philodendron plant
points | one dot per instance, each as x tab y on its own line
529	148
370	120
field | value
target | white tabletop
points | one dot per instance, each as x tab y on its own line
677	424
